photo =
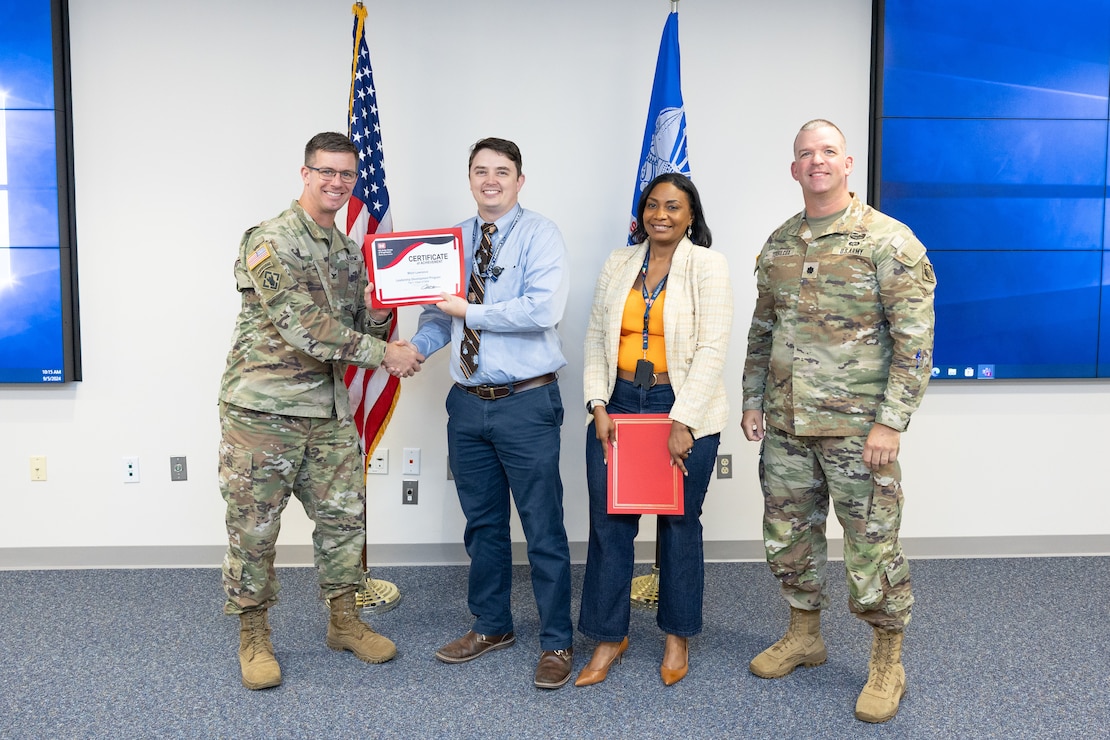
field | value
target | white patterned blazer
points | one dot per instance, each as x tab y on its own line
697	321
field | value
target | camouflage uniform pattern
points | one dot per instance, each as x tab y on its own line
285	416
302	319
798	476
842	334
841	339
265	457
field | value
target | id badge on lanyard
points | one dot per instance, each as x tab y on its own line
644	376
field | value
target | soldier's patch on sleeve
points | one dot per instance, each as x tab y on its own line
259	255
270	279
909	253
267	272
927	271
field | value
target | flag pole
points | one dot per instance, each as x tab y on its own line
374	595
644	590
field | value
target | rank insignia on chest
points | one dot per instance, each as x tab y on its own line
809	269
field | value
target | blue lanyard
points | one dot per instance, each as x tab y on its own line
492	272
655	294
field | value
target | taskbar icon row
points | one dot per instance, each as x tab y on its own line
964	372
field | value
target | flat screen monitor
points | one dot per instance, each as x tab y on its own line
990	134
38	306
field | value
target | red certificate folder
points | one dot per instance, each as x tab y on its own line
641	477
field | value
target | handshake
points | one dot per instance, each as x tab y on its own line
402	359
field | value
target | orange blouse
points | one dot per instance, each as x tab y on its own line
632	333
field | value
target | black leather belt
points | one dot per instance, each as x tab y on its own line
494	392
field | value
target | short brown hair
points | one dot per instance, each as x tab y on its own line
501	146
329	141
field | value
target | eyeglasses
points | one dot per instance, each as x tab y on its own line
328	173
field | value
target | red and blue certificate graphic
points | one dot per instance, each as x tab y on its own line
409	268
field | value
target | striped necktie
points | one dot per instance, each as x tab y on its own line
468	350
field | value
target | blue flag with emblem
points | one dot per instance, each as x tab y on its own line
664	147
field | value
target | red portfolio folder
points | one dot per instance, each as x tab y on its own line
641	477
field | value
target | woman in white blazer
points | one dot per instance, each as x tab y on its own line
656	343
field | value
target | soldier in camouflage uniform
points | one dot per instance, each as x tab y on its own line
839	355
285	418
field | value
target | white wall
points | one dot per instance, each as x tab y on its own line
190	120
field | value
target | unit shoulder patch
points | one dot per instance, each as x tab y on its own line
927	272
909	253
267	272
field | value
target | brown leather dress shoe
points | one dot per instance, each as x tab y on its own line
553	670
473	645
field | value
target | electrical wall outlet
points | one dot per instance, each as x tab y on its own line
724	466
379	462
38	467
130	470
411	462
178	469
410	490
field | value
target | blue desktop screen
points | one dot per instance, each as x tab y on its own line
991	130
32	309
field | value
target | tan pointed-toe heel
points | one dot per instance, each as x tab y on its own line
588	677
670	675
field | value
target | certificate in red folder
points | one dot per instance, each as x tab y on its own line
641	477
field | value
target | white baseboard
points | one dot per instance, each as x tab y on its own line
210	556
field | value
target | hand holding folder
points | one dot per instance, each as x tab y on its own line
642	479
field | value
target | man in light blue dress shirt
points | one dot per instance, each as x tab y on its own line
505	410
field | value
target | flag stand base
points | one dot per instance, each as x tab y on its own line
645	590
376	596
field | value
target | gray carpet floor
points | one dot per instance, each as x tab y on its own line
1011	648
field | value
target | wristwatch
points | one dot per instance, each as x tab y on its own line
592	403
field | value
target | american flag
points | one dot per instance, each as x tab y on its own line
373	392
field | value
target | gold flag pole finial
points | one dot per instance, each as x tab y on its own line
359	11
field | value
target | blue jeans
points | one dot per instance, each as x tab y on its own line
607	586
512	444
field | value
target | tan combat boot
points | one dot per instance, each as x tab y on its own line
801	645
347	632
886	680
256	652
